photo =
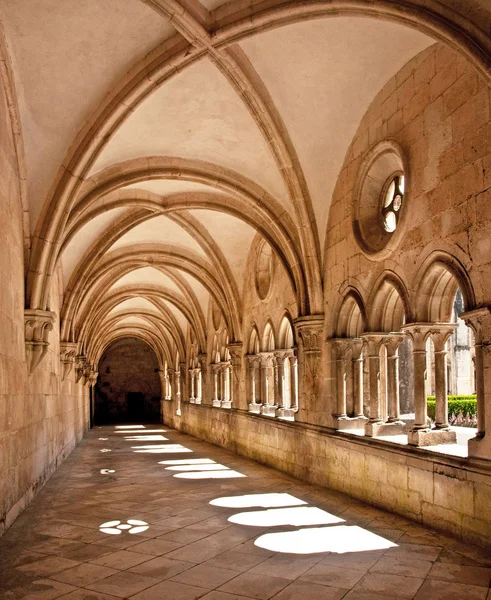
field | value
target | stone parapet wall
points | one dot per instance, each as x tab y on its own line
450	494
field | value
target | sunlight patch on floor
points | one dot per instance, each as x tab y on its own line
227	474
296	517
260	500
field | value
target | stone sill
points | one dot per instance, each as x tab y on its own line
375	446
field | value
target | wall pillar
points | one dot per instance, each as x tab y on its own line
480	322
309	333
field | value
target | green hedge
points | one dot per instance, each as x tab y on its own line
464	404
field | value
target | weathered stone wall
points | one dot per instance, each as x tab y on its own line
129	366
41	418
450	494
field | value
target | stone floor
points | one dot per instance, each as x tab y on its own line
149	514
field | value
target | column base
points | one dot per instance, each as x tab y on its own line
348	423
480	446
226	404
287	414
255	408
431	437
268	410
192	400
216	403
167	398
379	429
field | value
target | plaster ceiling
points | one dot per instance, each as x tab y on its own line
306	86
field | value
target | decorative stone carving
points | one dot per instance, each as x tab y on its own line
68	352
309	332
80	362
38	324
92	378
237	373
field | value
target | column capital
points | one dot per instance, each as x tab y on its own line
419	333
68	352
282	354
81	363
309	330
37	325
479	320
373	341
441	334
236	350
392	342
341	346
253	359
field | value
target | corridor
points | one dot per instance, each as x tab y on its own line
145	512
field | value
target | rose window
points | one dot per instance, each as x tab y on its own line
392	203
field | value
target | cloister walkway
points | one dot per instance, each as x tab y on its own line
145	512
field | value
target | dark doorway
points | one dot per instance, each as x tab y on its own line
128	386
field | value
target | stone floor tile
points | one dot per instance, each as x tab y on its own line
195	553
55	546
333	576
205	576
156	547
41	589
255	585
395	586
162	567
87	552
170	590
216	595
120	542
235	561
309	591
461	574
362	561
442	590
249	548
185	536
400	565
83	574
123	584
87	595
285	566
48	566
124	559
418	551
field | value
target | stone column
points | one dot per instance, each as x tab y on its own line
294	380
192	380
420	434
216	384
237	388
440	338
205	389
227	386
287	406
169	385
373	342
357	361
177	386
480	322
254	362
269	405
309	335
341	347
394	425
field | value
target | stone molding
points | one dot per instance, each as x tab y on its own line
68	352
38	324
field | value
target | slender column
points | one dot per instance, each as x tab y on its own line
192	397
177	383
309	333
373	341
227	388
254	367
216	384
392	343
169	384
279	378
480	322
294	381
204	386
440	338
237	374
420	434
268	407
357	360
341	346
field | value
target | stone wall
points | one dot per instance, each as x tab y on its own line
41	417
129	366
450	494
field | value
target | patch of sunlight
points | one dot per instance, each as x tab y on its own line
168	449
107	471
105	450
296	516
146	446
188	461
260	500
147	438
103	439
146	431
228	474
339	539
130	426
215	467
117	527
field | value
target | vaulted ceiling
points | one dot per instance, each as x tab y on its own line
161	138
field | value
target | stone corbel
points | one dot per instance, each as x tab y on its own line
38	324
92	378
81	362
68	352
87	374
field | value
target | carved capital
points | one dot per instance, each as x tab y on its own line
92	378
81	365
420	332
236	352
309	331
38	324
479	320
68	352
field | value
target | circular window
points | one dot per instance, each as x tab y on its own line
264	270
380	199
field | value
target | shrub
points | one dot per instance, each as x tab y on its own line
461	409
